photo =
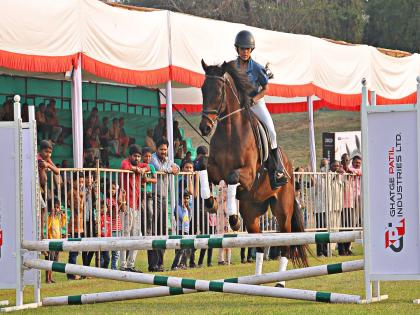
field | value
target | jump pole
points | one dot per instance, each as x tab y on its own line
199	285
285	239
92	298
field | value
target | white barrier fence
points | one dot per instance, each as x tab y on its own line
97	202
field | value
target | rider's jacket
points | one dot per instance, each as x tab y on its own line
256	74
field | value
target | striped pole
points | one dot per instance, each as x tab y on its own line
284	239
246	281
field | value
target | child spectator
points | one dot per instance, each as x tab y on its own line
55	222
150	179
76	202
104	139
105	230
46	165
115	206
184	216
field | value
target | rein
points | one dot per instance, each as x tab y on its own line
219	111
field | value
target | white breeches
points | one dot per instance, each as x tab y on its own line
261	111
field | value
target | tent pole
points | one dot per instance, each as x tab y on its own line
77	115
312	150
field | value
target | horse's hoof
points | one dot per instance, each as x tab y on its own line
234	222
213	208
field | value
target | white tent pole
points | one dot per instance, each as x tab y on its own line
77	116
169	120
312	150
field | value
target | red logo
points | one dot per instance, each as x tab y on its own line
394	236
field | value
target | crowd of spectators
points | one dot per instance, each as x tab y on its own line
335	198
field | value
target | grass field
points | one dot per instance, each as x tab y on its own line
400	293
293	131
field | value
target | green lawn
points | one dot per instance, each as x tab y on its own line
401	293
293	131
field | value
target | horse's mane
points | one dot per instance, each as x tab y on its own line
240	78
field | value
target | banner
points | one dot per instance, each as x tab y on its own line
394	234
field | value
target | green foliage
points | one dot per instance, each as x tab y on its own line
383	23
394	24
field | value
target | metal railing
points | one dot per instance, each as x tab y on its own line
95	202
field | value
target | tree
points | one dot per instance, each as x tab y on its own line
383	23
393	24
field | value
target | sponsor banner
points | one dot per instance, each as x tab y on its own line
393	191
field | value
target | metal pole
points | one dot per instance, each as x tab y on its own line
312	151
77	116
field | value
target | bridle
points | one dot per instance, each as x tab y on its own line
220	110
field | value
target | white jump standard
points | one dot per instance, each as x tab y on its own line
200	285
165	291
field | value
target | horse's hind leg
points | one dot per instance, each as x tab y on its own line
289	219
251	212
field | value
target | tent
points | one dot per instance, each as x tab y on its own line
163	48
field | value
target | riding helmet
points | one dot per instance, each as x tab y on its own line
245	39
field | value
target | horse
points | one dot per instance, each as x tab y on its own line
234	157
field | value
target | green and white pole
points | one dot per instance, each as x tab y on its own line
282	239
185	289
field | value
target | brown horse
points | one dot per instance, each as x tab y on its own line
234	156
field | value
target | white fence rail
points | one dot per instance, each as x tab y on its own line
95	202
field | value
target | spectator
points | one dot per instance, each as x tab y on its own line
131	217
75	226
199	164
125	140
114	135
46	165
150	179
53	124
200	158
162	164
321	207
148	141
25	112
348	199
117	206
56	221
94	142
7	113
225	254
64	164
41	121
159	131
93	119
187	158
147	189
104	138
179	142
335	197
183	214
186	182
90	192
324	165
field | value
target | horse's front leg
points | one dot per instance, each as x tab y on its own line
209	175
239	177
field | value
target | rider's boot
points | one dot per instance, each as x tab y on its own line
278	177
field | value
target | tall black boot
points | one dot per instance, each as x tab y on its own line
277	176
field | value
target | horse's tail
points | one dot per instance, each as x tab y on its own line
298	253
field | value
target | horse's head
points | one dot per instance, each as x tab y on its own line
213	90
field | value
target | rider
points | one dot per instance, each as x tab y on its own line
257	74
